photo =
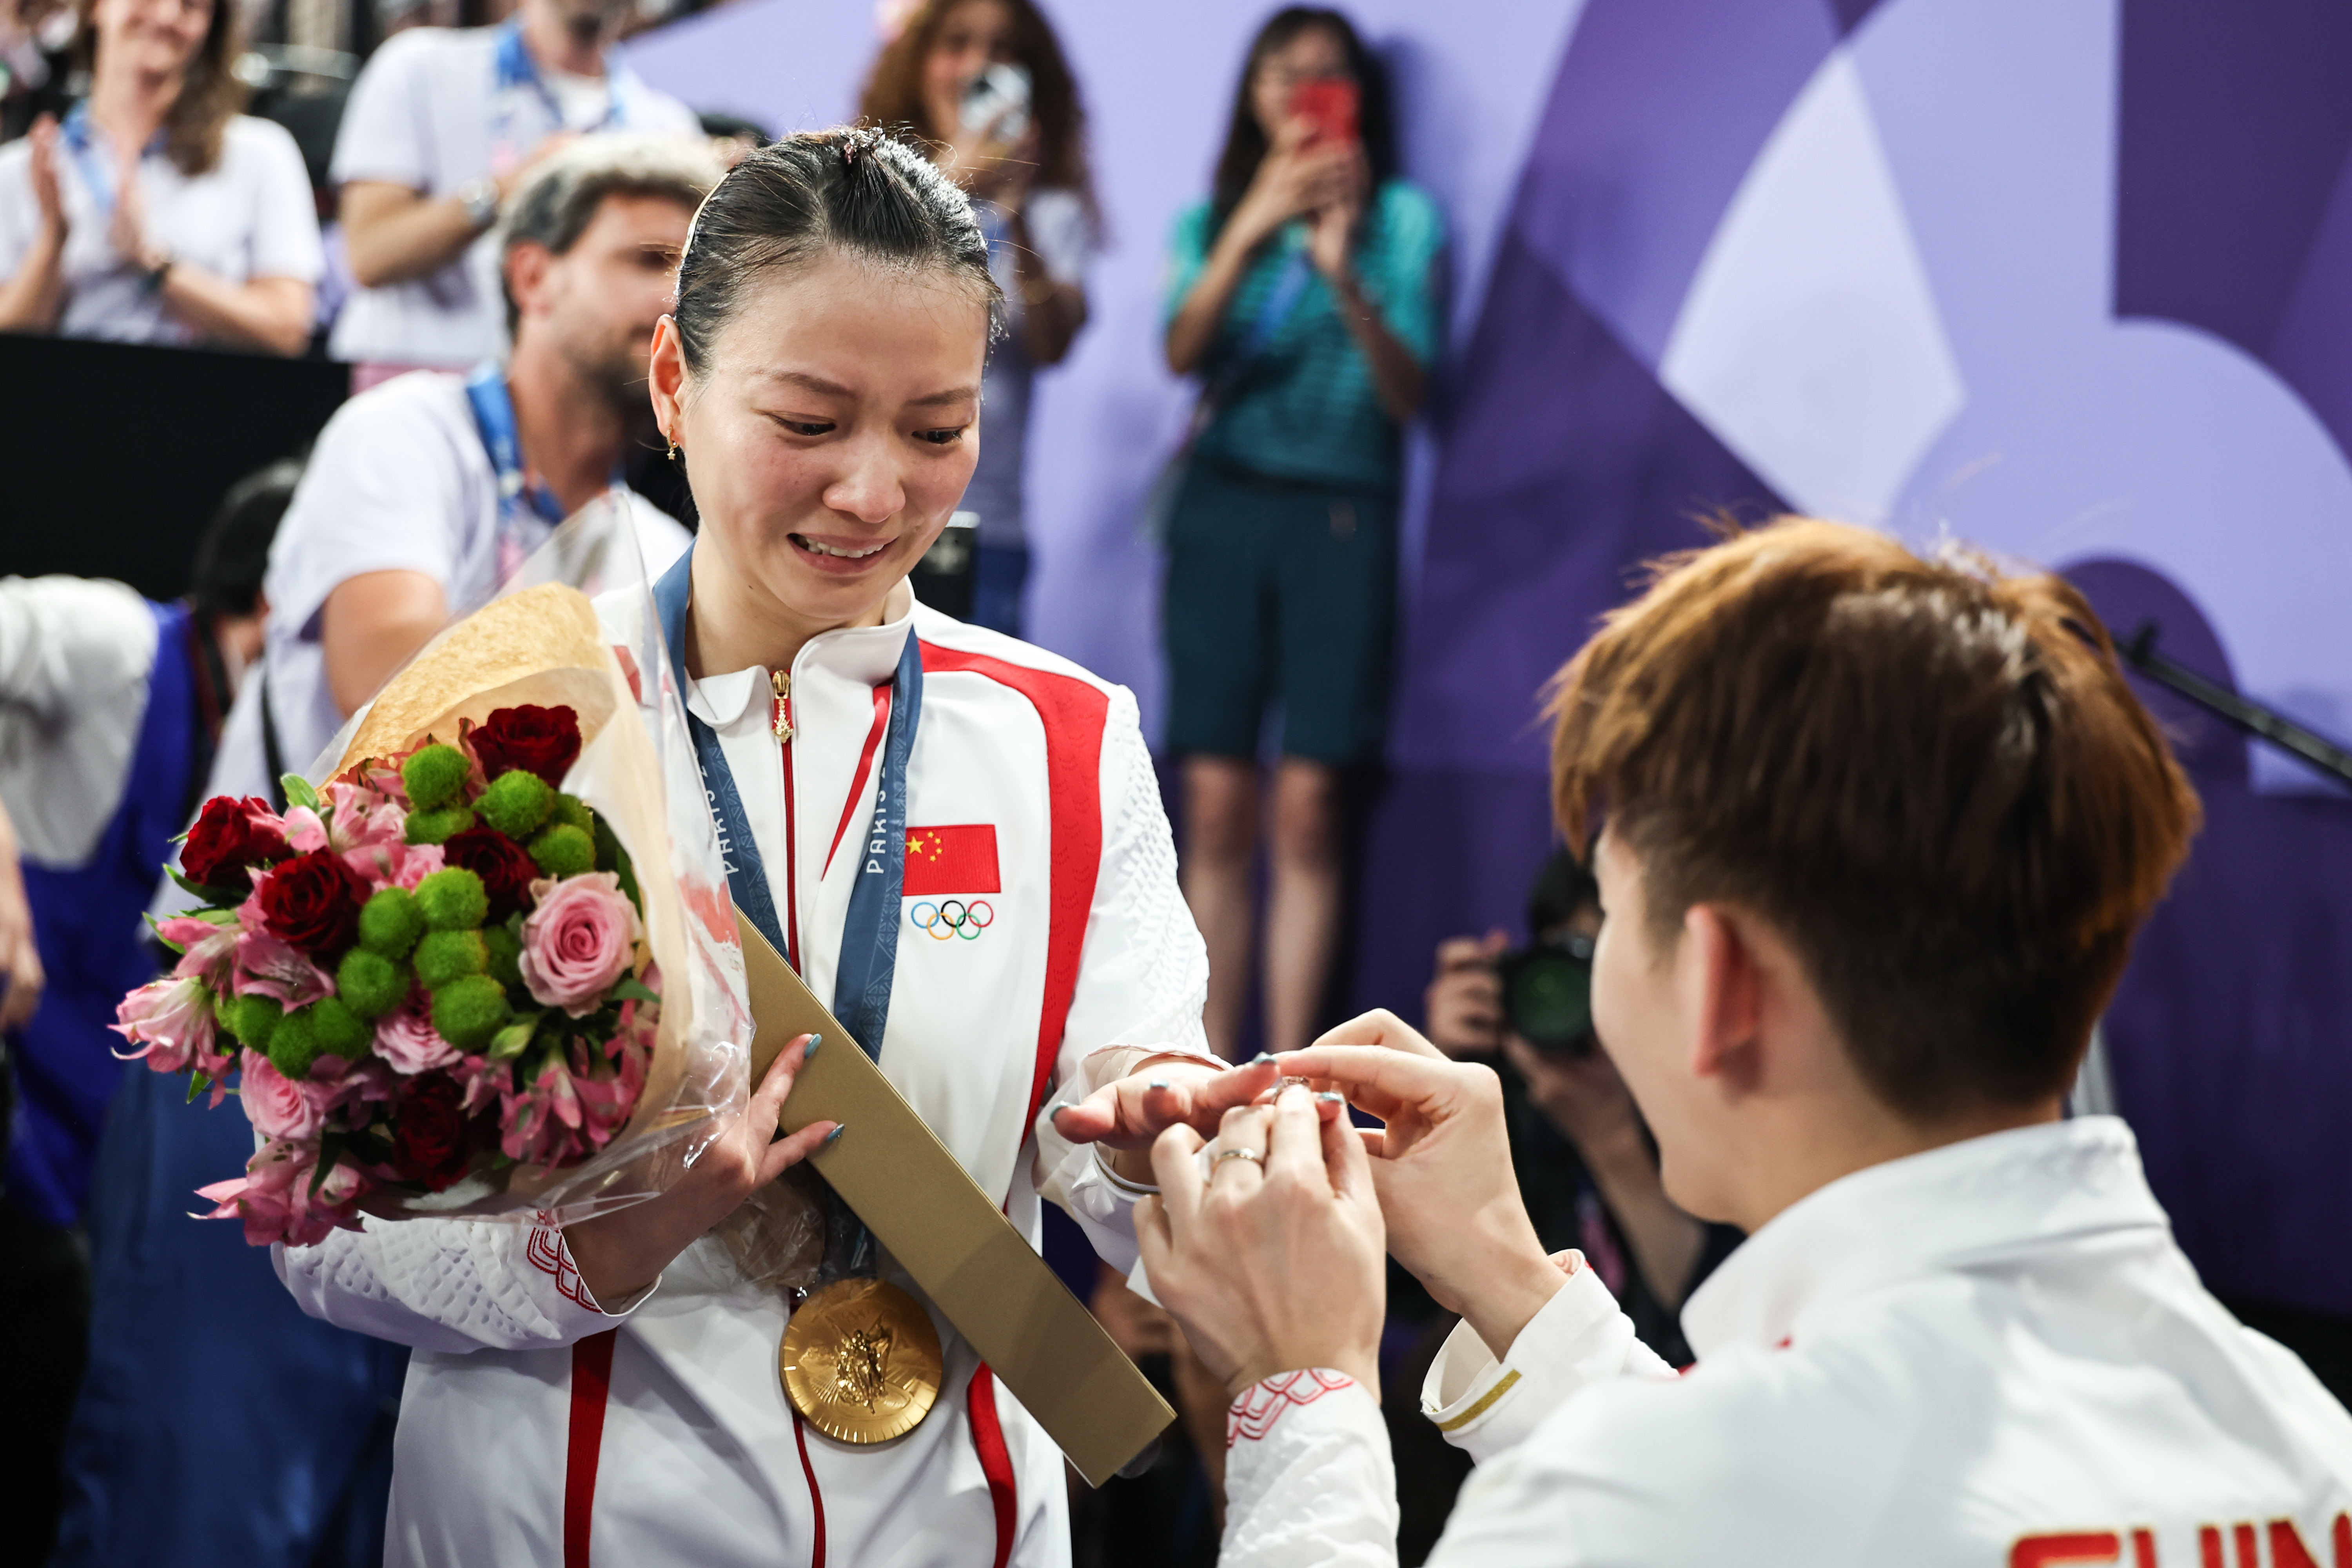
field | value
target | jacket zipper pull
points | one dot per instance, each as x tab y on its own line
783	681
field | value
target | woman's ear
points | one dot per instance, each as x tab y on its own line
1728	984
666	379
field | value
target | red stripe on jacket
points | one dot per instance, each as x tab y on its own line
1072	712
592	1380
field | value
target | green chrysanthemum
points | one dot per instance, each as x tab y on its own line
467	1012
564	851
444	957
453	900
369	984
517	804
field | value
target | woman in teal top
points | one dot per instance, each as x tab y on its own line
1304	294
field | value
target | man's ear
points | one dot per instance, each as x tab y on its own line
528	263
1729	1004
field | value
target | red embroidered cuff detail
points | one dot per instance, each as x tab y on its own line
1253	1415
550	1256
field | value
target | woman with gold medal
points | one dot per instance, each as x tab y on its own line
954	836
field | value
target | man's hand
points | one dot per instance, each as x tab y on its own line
1442	1166
1271	1263
621	1253
1464	1003
1162	1092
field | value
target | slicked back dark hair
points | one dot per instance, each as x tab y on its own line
1245	139
863	192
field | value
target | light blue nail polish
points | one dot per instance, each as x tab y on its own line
814	1041
835	1136
1157	1083
1329	1098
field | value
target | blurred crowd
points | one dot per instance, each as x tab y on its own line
479	214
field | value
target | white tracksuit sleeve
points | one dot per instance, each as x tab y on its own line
1579	1337
449	1285
1309	1478
1142	980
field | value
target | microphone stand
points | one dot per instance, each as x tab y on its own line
2239	713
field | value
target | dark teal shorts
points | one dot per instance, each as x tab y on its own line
1279	592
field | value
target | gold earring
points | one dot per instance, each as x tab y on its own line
673	451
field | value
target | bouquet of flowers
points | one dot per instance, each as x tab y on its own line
439	976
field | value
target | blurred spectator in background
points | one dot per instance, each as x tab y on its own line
156	213
110	706
442	128
985	83
1587	1168
428	491
1304	292
1586	1165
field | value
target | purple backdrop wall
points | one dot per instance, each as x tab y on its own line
2069	281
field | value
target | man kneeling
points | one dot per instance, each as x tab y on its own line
1874	836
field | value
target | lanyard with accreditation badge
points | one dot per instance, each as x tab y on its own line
860	1358
494	420
517	74
80	139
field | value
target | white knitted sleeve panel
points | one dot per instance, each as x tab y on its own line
1142	979
446	1284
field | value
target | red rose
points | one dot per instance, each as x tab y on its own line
230	838
313	902
429	1134
542	740
507	871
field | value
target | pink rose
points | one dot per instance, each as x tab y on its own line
278	1106
405	1039
578	942
170	1022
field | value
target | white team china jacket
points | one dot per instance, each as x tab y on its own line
1991	1355
528	1435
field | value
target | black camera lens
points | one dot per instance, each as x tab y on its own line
1547	995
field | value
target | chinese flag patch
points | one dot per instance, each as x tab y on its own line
952	861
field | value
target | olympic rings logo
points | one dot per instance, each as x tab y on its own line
952	919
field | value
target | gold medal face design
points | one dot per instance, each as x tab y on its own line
861	1361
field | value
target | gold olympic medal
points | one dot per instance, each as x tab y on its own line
861	1361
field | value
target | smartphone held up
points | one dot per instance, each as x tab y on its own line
1329	104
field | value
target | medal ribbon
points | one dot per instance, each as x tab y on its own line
869	938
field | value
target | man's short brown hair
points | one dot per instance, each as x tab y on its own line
1931	777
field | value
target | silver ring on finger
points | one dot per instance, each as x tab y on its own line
1252	1154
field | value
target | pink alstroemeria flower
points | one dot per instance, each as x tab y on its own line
207	949
171	1021
275	1201
539	1124
269	966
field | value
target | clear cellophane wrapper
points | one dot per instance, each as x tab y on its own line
543	639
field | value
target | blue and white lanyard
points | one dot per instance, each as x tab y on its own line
870	937
80	139
518	72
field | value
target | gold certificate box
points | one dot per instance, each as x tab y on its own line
921	1204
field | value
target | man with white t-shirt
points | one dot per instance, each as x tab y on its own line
1876	833
425	493
443	127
